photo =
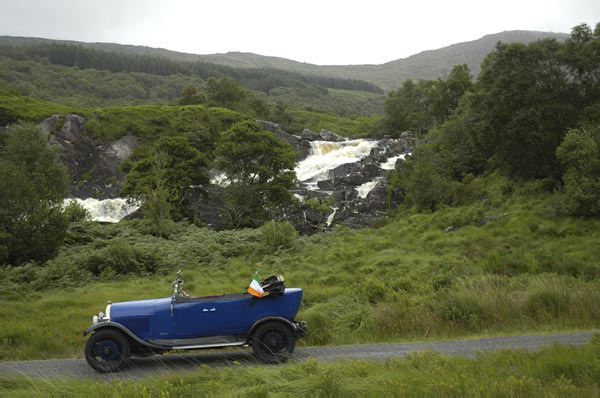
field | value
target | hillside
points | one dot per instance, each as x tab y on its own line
429	64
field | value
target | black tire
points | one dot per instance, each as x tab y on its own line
107	350
273	342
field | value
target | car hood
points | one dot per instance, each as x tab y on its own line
138	308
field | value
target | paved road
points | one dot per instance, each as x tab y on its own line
155	365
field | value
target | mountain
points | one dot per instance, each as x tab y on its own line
430	64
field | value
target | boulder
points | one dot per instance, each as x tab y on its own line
353	179
344	169
309	135
327	135
326	185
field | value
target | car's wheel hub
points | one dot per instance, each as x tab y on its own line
108	350
275	341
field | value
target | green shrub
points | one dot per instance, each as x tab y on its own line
579	154
119	257
462	309
73	211
547	304
278	235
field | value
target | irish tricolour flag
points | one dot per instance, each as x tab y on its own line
255	288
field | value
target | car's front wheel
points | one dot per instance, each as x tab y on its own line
106	350
273	342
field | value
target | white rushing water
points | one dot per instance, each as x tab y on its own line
107	210
331	216
390	164
367	187
326	155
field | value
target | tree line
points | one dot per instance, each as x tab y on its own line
255	79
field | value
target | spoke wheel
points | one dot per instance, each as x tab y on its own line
106	350
273	342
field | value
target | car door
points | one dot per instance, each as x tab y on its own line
192	319
210	318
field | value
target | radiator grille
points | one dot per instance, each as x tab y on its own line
139	325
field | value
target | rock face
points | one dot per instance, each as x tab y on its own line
93	167
356	193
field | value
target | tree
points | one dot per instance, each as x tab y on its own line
525	97
225	92
32	189
259	169
423	180
447	93
159	179
408	107
419	106
191	96
579	154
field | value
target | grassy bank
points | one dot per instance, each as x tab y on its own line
554	371
522	270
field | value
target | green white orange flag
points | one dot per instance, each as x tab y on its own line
255	288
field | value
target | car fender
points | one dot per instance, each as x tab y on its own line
280	319
124	330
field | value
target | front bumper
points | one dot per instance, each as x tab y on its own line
301	328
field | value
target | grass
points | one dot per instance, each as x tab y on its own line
15	107
529	271
563	371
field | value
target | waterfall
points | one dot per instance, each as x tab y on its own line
107	210
326	155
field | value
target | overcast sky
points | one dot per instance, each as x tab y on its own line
320	32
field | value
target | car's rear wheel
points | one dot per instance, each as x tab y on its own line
273	342
107	350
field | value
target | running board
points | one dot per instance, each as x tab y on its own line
191	347
202	342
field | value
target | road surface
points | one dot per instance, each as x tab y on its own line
157	364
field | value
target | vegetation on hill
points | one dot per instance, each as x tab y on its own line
431	64
97	88
256	79
82	76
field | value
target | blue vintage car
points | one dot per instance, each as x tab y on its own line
182	322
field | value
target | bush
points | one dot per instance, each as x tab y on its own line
119	257
547	304
463	310
74	212
278	235
579	154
